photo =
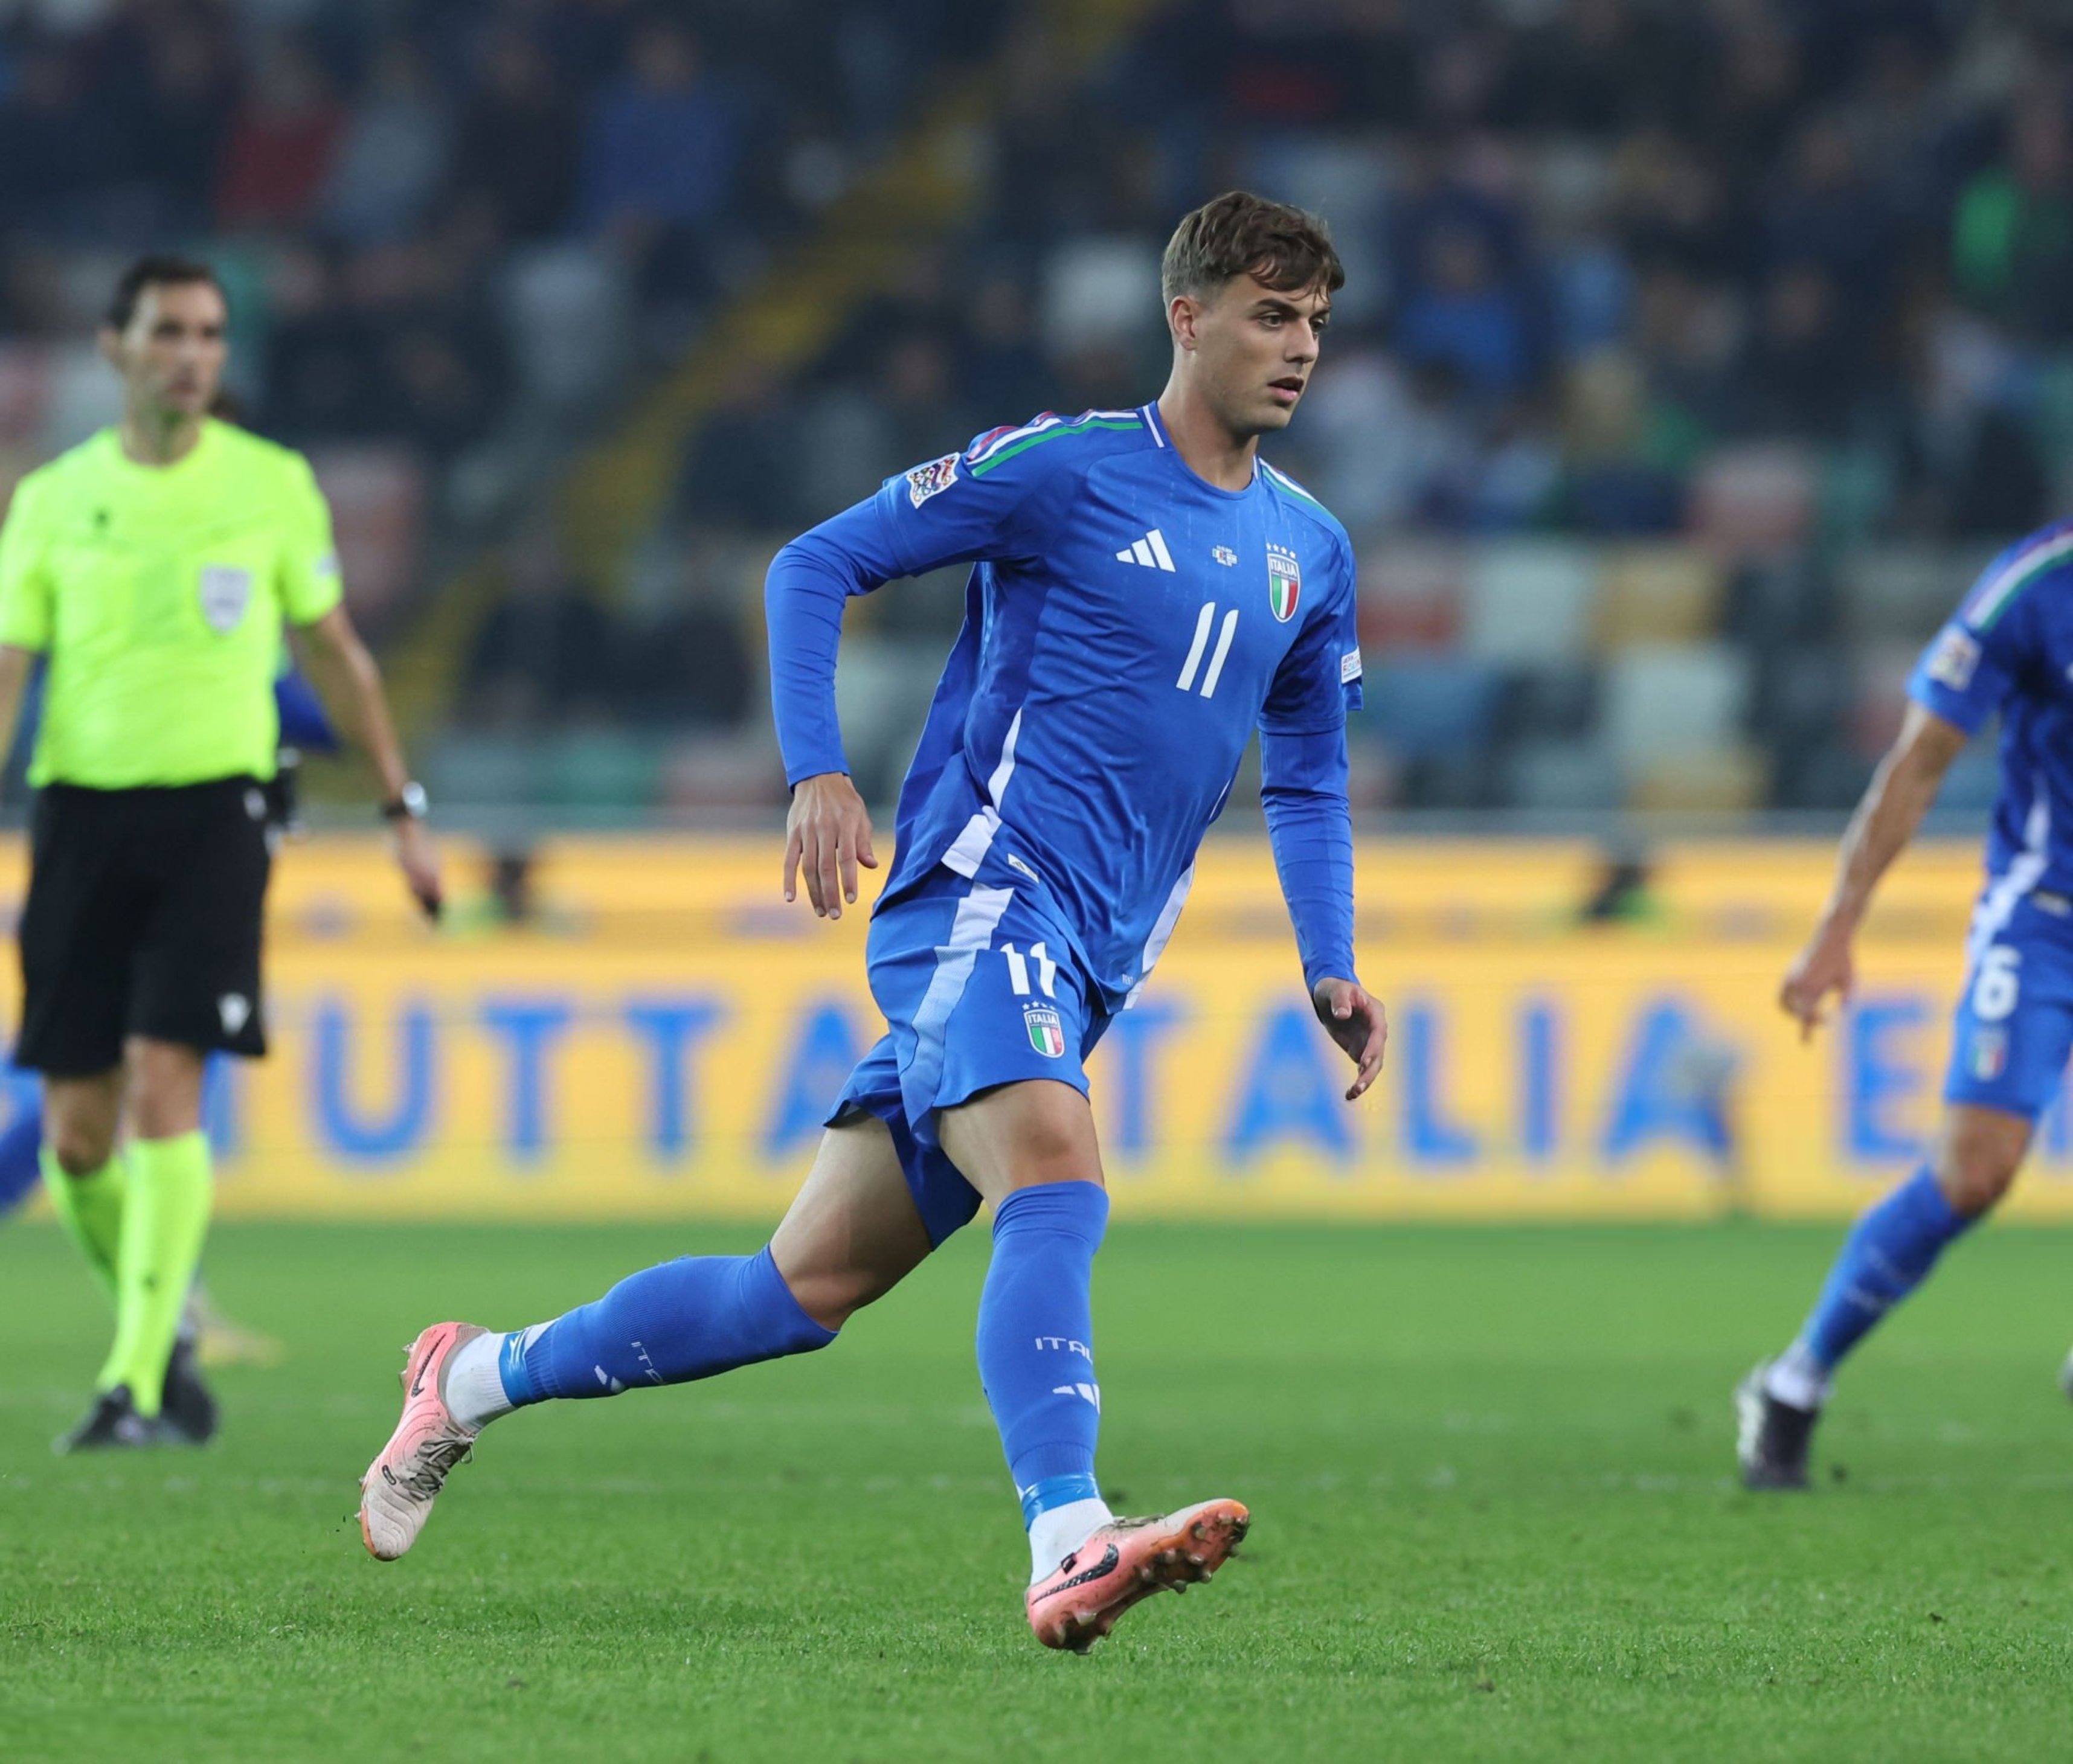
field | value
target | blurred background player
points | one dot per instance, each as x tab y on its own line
2009	649
154	567
1148	592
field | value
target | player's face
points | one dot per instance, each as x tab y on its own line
171	354
1255	348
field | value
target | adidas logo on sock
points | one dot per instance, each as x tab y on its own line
1151	552
1091	1392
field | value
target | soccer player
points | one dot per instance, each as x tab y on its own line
2007	649
153	567
1147	593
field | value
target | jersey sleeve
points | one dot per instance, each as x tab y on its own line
307	580
1973	663
997	501
1319	680
25	579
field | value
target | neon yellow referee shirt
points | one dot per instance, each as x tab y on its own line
159	594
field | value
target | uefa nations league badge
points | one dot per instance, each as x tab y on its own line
1284	582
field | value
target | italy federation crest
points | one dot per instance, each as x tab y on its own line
1988	1053
1047	1030
1284	582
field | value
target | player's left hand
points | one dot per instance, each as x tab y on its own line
419	862
1358	1023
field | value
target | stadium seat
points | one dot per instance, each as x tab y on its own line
464	770
739	771
1530	601
1878	693
1435	706
1673	701
377	502
1755	501
1904	590
1095	288
596	775
566	307
1410	595
1658	594
1562	776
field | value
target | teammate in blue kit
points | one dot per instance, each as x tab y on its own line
1146	594
2009	649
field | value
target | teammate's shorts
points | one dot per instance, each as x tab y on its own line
144	917
979	989
2013	1028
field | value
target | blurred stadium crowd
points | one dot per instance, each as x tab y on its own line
1694	353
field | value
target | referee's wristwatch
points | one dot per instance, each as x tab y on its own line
408	804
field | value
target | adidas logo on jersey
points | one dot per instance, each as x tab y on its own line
1151	552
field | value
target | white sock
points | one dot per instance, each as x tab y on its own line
1053	1535
475	1390
1796	1378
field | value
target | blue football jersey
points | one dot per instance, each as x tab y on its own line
1127	627
2010	648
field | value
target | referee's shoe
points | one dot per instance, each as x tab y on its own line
187	1411
113	1423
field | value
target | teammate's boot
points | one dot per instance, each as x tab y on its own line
187	1405
1129	1559
1771	1438
114	1425
2066	1376
396	1494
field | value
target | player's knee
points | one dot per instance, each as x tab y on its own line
165	1090
1976	1168
80	1144
833	1297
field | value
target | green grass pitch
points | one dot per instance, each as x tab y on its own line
1488	1470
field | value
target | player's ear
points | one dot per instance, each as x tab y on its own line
1184	313
109	341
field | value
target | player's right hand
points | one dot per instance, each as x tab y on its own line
1824	967
827	836
419	861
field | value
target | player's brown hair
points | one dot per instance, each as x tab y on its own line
161	270
1239	233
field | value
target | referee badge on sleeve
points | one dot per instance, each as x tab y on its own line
226	591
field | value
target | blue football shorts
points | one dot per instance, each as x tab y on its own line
979	988
2013	1028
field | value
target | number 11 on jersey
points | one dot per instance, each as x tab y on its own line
1186	682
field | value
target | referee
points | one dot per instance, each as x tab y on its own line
154	567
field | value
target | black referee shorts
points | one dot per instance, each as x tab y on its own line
144	917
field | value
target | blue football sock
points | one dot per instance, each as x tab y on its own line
1887	1255
1035	1341
21	1165
685	1320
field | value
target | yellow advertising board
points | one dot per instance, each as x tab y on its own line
662	1036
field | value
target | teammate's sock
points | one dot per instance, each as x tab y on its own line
1888	1253
165	1217
685	1320
90	1208
21	1157
1036	1359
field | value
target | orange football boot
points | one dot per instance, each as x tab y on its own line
1128	1560
396	1492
